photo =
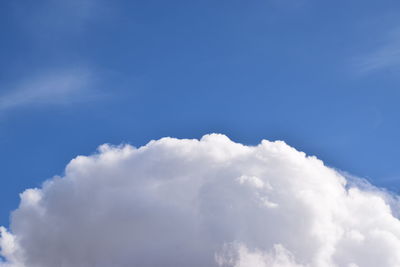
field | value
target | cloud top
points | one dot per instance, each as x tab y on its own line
208	202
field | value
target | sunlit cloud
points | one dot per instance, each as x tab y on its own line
208	202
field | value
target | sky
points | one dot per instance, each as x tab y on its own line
320	75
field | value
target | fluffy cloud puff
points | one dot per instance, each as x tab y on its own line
208	202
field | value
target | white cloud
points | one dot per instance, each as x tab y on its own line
49	88
202	203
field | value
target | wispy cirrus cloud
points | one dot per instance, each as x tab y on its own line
386	54
59	16
49	88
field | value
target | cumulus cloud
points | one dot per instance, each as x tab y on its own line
208	202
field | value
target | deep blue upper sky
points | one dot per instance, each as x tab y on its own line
320	75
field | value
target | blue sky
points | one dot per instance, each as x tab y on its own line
320	75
